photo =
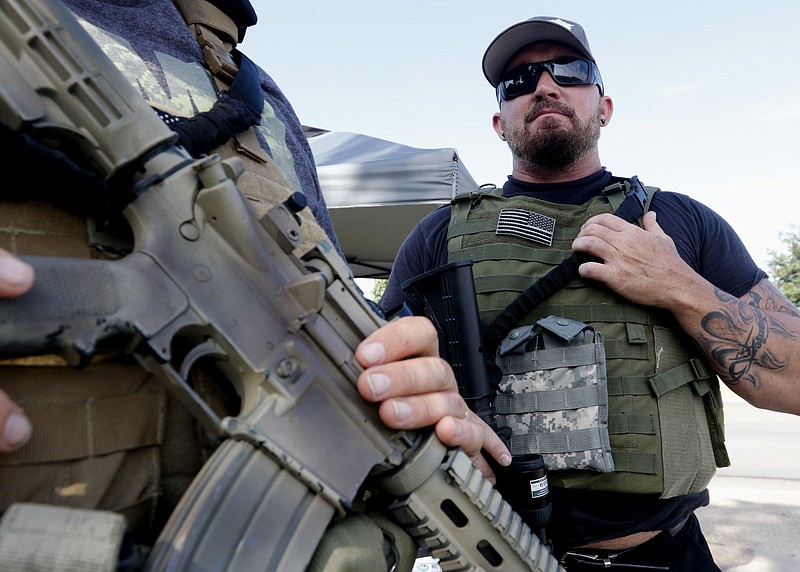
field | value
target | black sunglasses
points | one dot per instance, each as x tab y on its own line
566	71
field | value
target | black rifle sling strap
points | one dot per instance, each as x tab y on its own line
241	100
631	209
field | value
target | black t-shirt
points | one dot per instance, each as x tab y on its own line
703	239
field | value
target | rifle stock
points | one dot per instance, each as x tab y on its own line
207	272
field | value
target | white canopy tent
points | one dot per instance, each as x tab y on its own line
377	191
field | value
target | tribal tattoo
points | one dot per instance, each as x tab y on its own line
737	335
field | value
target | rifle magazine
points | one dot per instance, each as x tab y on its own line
243	511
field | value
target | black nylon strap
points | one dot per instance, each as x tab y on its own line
631	209
236	110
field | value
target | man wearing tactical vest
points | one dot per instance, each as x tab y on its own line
152	447
612	376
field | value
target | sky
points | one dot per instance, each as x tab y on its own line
706	93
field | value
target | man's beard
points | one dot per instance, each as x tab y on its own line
557	147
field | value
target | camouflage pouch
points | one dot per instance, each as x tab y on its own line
553	394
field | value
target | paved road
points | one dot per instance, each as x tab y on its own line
753	521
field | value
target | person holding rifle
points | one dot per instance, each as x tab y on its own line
162	48
670	296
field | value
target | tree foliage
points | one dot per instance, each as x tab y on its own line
784	266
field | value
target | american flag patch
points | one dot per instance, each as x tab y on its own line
526	224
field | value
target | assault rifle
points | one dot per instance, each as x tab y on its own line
207	272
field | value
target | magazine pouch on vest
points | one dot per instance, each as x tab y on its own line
664	410
553	394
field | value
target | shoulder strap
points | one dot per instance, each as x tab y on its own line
618	192
216	33
241	99
630	209
460	207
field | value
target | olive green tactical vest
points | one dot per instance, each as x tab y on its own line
665	411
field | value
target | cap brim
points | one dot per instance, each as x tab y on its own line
513	39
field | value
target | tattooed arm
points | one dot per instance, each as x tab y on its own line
753	342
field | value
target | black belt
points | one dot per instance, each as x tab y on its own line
653	554
577	562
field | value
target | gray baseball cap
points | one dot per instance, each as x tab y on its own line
537	29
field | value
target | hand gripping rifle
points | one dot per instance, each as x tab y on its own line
206	272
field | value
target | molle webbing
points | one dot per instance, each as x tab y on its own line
90	426
552	395
630	209
88	429
664	416
38	228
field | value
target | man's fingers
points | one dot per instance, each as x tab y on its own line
417	411
475	437
454	429
494	446
405	337
415	376
16	277
605	226
416	389
650	225
605	220
15	429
